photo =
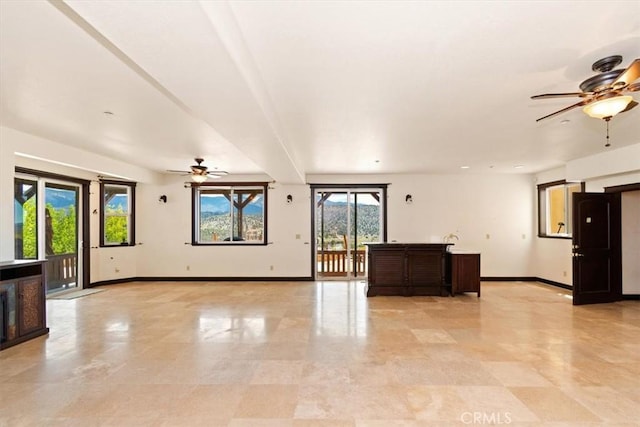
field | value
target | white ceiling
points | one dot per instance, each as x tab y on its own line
296	88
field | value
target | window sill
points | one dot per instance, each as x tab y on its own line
551	236
236	243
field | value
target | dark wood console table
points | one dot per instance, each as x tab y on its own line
408	269
22	301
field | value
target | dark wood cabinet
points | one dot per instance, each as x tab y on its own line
465	273
22	302
407	269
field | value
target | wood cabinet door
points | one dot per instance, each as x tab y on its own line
31	305
388	269
465	271
424	268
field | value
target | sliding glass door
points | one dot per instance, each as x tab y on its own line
61	236
346	219
46	222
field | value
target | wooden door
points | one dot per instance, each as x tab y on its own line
596	248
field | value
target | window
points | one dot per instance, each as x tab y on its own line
555	208
25	218
229	214
117	213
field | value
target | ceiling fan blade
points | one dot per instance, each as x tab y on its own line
175	171
218	173
630	106
562	95
629	75
571	107
634	87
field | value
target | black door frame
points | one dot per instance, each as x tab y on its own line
619	189
83	252
346	187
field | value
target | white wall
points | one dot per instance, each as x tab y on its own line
502	207
598	185
110	263
64	161
7	162
165	233
625	160
552	257
60	155
162	229
471	206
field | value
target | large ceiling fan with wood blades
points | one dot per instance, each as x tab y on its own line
605	94
200	173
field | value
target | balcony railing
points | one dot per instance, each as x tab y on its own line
336	263
61	271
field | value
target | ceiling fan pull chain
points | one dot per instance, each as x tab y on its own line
607	120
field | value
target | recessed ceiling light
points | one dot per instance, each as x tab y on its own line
518	166
107	113
564	122
465	167
377	161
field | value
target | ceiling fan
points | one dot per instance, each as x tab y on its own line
200	173
605	94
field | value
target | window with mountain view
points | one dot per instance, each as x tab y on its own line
117	213
229	214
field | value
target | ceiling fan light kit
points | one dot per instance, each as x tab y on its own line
199	178
607	107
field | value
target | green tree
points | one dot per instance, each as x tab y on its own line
115	225
29	242
64	226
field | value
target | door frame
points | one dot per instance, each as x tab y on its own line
44	186
84	230
347	188
619	189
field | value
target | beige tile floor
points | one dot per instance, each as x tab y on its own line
322	354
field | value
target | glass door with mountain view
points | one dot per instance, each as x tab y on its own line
46	218
345	220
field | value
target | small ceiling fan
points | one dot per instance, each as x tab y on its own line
200	173
605	94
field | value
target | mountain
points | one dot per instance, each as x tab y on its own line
335	219
59	198
118	201
220	206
